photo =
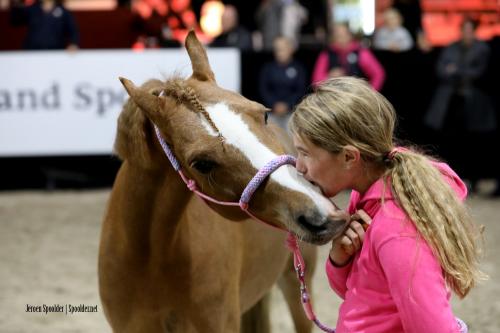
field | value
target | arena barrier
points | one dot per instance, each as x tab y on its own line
59	103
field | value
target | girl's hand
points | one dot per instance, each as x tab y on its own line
345	247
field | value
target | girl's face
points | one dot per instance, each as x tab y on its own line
327	170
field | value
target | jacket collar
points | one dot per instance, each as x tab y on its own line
370	201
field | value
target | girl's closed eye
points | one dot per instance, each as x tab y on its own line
302	153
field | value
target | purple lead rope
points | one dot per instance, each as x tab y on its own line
262	174
462	325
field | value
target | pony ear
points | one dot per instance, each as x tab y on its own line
135	139
149	102
199	59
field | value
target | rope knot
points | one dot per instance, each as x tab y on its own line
244	206
191	184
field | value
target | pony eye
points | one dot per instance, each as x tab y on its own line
203	166
266	115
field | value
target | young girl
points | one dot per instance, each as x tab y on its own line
421	241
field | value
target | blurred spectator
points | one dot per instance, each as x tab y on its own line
347	57
149	29
167	38
268	18
461	114
411	11
233	35
50	25
293	17
280	18
392	36
282	82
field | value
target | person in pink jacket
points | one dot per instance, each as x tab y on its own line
420	243
346	57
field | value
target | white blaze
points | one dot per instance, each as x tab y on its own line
237	133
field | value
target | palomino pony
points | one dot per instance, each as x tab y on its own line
168	262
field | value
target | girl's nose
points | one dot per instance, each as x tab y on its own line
299	165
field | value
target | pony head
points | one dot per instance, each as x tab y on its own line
221	140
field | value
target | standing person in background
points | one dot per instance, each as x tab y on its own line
392	36
50	25
420	241
293	17
411	12
282	82
461	115
233	34
269	21
346	57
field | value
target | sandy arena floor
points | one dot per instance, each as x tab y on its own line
48	254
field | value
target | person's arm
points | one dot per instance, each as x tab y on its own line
320	72
446	66
339	263
474	69
71	31
298	88
406	40
380	41
372	68
246	43
337	277
417	285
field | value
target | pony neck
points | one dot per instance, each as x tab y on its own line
150	203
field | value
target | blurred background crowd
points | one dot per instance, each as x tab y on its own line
437	61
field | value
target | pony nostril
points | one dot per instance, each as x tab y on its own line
306	224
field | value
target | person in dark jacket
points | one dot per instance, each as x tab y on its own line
460	113
282	82
50	25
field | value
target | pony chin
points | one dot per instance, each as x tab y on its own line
318	239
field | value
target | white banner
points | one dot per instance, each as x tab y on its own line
60	103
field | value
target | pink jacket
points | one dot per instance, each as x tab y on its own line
394	283
367	62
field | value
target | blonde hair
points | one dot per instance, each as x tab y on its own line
347	111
